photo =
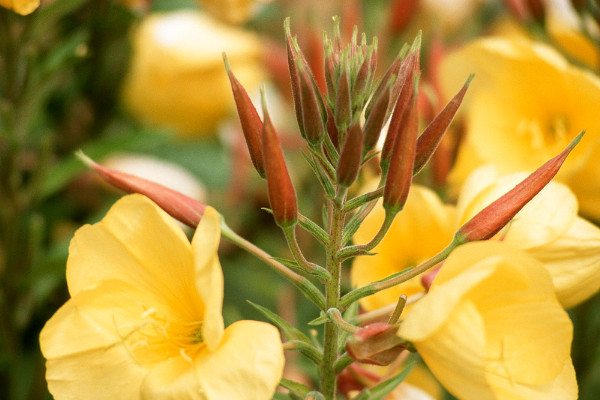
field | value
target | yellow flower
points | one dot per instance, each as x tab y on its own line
547	228
491	327
22	7
144	319
177	78
232	11
565	28
525	104
423	228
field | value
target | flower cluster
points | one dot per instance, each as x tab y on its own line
470	289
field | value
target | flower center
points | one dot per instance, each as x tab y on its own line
159	338
554	130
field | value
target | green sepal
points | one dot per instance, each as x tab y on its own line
314	229
297	390
308	350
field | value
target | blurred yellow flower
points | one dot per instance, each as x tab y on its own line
22	7
491	327
423	228
525	104
144	319
232	11
177	78
547	228
564	27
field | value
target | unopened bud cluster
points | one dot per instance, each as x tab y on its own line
343	123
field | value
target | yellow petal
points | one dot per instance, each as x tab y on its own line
514	119
573	261
83	345
140	244
22	7
563	387
247	364
209	275
178	81
487	324
455	354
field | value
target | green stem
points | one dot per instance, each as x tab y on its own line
356	250
332	299
399	278
303	263
336	316
302	283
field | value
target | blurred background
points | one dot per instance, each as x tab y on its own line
140	86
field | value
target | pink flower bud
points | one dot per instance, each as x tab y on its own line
350	157
282	195
376	344
432	135
494	217
179	206
401	162
249	119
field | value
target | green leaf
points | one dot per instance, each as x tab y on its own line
308	350
295	388
384	388
291	332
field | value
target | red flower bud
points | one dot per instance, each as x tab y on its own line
282	195
432	135
251	124
343	102
179	206
405	85
494	217
376	344
310	100
402	159
350	157
295	80
377	119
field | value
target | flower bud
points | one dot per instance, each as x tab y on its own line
250	120
432	135
282	195
494	217
294	78
376	120
350	157
401	163
179	206
376	344
405	86
312	120
332	129
343	102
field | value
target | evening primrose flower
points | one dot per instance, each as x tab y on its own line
232	11
423	228
22	7
547	228
176	77
565	28
525	105
491	328
144	319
